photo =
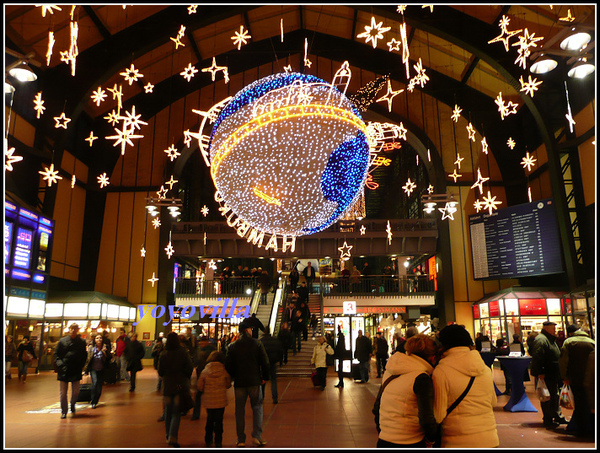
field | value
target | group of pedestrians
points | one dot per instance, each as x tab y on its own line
25	353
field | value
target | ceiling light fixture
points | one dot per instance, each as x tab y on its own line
22	72
543	65
581	69
576	42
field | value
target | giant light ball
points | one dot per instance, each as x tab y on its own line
289	154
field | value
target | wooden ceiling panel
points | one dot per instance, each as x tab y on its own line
216	39
117	19
334	20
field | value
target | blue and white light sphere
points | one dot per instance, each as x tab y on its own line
289	154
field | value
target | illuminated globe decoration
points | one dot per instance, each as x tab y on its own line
289	154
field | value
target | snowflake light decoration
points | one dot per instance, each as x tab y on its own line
505	109
511	143
169	249
204	210
112	118
505	35
490	202
91	138
153	280
409	187
345	251
61	121
528	161
50	175
240	38
11	158
103	180
131	120
529	87
525	42
172	153
131	74
39	105
389	96
98	96
374	32
456	113
123	138
213	69
478	205
479	182
156	223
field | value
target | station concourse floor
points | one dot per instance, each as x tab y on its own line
305	418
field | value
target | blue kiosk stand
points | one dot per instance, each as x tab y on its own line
516	366
488	359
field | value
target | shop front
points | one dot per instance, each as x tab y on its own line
522	311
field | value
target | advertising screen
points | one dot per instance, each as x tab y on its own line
8	229
22	253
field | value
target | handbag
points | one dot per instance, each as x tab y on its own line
26	356
186	402
542	391
566	397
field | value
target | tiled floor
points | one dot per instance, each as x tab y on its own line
304	418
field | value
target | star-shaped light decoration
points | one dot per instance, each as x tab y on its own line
511	143
479	182
568	18
505	35
389	96
409	187
170	182
345	251
131	74
177	40
505	109
288	69
153	280
307	62
490	202
447	211
428	6
131	120
478	205
50	175
123	138
528	161
103	180
11	158
525	42
169	249
112	118
570	119
98	96
529	87
458	160
61	121
39	105
454	175
394	45
388	230
148	88
374	32
456	113
192	9
156	223
51	42
117	94
189	72
143	251
401	8
421	78
430	189
48	9
405	49
363	230
162	193
240	38
172	153
213	69
484	146
471	131
73	181
204	210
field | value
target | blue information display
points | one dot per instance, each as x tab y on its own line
520	241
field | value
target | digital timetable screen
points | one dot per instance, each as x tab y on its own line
520	241
22	252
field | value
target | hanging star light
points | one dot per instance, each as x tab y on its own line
505	35
428	6
169	249
454	175
456	113
177	40
112	118
529	194
288	69
103	180
505	109
471	131
401	8
568	18
240	38
363	230
528	161
345	251
409	187
117	94
388	230
490	202
430	189
131	74
148	88
511	143
50	175
192	9
143	252
531	86
51	42
61	121
374	32
98	96
478	205
153	280
405	49
421	78
156	223
123	138
213	69
458	160
11	158
39	105
73	180
479	182
571	121
307	62
389	96
448	211
48	9
172	153
91	138
189	72
204	210
170	182
70	56
394	45
132	121
484	146
525	42
162	193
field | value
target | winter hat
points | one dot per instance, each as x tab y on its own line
454	335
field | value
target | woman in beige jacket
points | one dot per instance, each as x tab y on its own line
319	360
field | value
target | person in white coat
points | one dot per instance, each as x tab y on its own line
406	412
472	423
319	360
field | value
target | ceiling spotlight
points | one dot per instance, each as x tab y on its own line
543	65
22	72
8	88
576	41
581	69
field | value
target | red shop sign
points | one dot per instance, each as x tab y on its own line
476	311
494	308
535	307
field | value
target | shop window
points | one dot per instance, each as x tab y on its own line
484	310
553	306
511	306
579	305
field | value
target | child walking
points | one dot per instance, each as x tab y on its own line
213	384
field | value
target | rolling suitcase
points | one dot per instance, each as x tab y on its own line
315	379
85	390
356	372
111	373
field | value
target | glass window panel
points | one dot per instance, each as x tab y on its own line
95	310
54	310
124	313
579	304
76	310
113	311
484	310
511	306
132	313
553	306
17	305
104	310
37	308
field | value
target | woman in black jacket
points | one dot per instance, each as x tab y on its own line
134	352
175	368
24	361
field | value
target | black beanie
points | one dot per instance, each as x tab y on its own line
454	335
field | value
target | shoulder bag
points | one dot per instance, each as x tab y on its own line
26	356
438	440
377	403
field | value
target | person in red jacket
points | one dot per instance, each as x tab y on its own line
121	344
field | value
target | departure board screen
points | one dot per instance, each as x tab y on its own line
520	241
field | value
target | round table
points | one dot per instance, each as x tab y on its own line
488	358
516	366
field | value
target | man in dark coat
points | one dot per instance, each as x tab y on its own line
274	350
309	275
69	358
255	325
297	326
382	353
340	354
544	365
248	365
362	353
303	292
134	352
285	337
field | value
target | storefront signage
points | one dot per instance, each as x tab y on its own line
365	310
494	308
532	307
476	311
349	307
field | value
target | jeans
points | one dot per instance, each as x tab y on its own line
64	388
214	424
296	341
256	400
364	370
23	368
381	363
132	380
97	381
197	405
8	365
273	377
123	367
172	416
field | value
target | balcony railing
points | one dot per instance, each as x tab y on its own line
231	287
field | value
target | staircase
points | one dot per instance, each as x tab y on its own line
263	312
299	365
